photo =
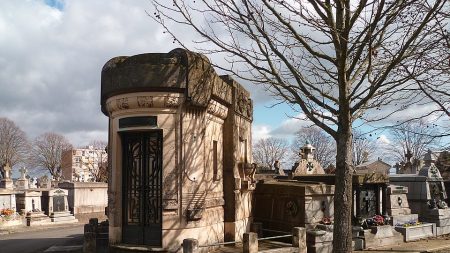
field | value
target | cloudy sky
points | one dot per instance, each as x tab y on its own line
52	53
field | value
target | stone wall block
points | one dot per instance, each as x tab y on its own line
250	242
299	239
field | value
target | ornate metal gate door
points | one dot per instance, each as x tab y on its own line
141	188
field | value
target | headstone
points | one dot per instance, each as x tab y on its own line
22	182
33	183
44	182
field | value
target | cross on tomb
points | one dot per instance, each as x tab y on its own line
7	171
397	167
408	155
23	172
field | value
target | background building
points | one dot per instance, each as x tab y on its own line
84	164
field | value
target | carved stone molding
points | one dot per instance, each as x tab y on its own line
143	100
217	109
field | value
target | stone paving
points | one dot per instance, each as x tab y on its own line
439	244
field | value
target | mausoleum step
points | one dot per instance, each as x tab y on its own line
126	248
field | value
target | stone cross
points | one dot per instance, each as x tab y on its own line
397	167
23	172
428	158
7	170
408	155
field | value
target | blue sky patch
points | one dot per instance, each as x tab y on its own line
58	4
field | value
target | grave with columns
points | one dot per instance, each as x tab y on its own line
55	205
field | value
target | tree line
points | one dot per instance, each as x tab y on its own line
45	152
414	137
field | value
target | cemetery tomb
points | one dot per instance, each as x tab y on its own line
179	149
402	218
371	224
55	205
281	205
427	195
29	204
8	200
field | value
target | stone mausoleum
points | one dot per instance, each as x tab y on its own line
179	149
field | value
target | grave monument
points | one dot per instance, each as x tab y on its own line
179	151
23	183
427	195
401	217
55	205
307	165
6	182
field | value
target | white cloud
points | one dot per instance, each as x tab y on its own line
51	61
290	126
52	58
383	140
260	132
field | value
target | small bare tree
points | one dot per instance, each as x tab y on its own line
414	136
325	145
13	143
47	153
100	172
363	147
267	151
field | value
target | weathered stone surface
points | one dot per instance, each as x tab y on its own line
205	123
417	232
250	243
177	71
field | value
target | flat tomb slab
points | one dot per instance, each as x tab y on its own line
417	232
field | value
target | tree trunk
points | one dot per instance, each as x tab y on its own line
342	232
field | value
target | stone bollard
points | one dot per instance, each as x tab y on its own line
299	239
190	245
257	227
89	244
250	242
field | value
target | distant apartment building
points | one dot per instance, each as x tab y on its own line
83	164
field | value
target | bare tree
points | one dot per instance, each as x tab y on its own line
13	143
47	153
363	148
414	136
267	151
100	171
325	145
336	61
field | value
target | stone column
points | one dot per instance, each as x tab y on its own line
299	239
250	242
190	245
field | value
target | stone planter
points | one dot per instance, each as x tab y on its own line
417	232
